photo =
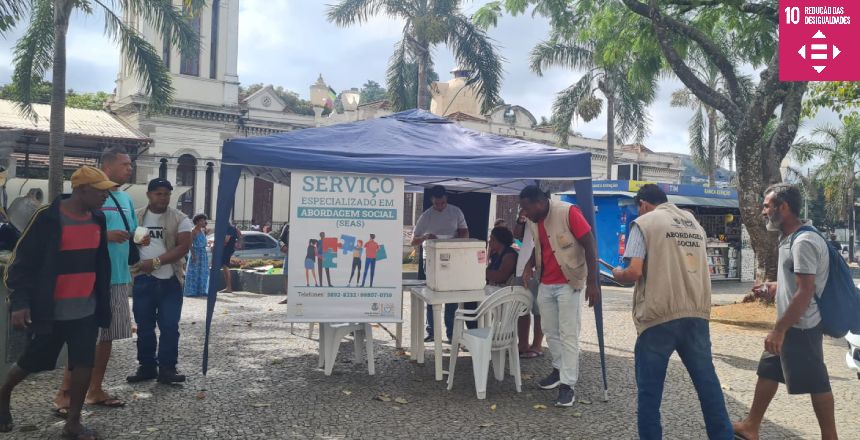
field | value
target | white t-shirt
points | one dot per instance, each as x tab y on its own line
443	223
525	251
157	248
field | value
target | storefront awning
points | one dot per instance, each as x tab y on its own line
707	202
703	201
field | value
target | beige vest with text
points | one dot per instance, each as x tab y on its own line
568	252
675	281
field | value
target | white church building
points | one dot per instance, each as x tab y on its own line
184	143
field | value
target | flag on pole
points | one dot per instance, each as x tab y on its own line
329	100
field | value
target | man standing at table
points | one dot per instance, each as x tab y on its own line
671	310
438	222
565	257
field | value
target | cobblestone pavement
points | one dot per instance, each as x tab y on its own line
264	383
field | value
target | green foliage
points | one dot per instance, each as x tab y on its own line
842	97
404	75
428	24
40	91
371	91
839	151
88	101
41	94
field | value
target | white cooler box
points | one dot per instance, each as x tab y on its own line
455	264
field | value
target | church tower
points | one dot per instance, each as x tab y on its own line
187	137
208	79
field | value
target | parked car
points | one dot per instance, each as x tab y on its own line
255	246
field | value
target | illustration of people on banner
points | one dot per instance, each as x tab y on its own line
350	224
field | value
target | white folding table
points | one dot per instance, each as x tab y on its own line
422	296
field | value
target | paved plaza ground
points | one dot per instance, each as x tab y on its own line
264	383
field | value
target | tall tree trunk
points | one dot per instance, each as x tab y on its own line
712	146
57	136
423	92
610	132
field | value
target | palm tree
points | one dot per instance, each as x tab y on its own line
707	121
43	46
839	150
626	98
429	23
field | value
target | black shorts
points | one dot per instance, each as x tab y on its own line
43	349
801	365
225	260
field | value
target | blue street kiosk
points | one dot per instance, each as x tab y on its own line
715	208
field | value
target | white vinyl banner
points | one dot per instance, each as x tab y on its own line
346	241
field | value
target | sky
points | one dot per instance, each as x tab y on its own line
290	42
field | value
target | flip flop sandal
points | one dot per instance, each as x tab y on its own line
528	354
62	413
739	437
6	424
84	434
110	402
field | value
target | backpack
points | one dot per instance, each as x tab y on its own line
839	303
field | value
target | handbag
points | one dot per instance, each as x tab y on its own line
133	252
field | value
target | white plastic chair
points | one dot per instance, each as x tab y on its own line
495	337
331	335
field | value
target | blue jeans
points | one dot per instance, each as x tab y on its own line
450	311
369	265
690	337
157	302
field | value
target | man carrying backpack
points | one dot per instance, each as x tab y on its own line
793	349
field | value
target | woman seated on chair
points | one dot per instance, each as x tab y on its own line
503	257
502	263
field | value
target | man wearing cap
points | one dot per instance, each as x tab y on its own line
59	291
121	223
158	282
440	221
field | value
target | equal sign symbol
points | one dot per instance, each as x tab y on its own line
819	51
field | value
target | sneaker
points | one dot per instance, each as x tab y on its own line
169	376
566	396
428	339
552	381
142	374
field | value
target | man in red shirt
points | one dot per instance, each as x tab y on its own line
371	248
566	256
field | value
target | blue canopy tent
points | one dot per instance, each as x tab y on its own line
419	146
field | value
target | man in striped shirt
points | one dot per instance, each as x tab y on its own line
121	223
59	289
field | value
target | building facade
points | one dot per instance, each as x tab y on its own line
187	138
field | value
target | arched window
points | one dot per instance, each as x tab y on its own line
186	175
